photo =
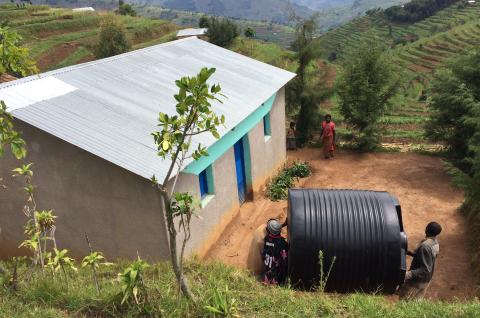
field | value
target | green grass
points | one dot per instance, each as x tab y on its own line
402	120
166	38
38	48
405	134
44	296
270	53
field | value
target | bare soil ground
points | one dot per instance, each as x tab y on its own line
57	54
418	181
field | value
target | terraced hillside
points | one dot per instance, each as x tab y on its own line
448	23
59	37
418	49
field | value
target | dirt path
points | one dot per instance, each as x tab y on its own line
418	181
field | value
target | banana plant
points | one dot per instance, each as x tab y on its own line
94	260
132	284
60	261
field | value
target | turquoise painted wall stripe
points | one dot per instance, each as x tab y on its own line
216	150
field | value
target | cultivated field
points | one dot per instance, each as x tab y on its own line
417	49
59	37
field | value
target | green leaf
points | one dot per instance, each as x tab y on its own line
165	145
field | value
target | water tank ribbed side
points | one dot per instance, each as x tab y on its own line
360	229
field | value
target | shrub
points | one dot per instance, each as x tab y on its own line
126	9
204	22
301	170
14	58
112	40
133	290
277	188
222	31
249	32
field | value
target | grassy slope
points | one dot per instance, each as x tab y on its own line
447	34
46	32
266	52
42	298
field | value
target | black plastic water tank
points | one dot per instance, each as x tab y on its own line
363	230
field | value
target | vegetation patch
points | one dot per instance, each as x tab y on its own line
46	30
220	288
278	187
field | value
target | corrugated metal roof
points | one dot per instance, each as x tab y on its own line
192	32
109	107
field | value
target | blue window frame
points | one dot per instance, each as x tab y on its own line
266	125
205	179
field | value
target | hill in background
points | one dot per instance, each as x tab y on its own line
276	11
354	4
332	13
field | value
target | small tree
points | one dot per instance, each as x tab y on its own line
451	102
249	33
194	116
365	86
15	59
204	22
133	288
302	92
222	31
94	260
112	40
126	9
455	104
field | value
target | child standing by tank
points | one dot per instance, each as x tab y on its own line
275	255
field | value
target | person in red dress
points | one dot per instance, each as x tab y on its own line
328	137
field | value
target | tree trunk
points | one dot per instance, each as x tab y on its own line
177	268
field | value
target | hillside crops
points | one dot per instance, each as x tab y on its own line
59	37
418	49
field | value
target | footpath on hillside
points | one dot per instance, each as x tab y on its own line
418	181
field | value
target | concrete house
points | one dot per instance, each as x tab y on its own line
88	133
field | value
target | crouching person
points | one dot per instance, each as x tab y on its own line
421	270
275	255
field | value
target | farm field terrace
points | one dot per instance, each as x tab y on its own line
60	37
417	50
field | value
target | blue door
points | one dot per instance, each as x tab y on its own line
240	169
